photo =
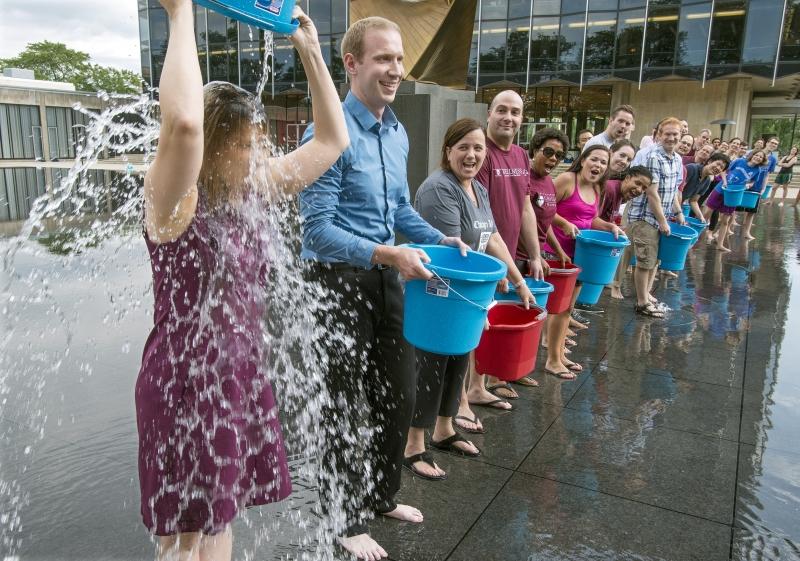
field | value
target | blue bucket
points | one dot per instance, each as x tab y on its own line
750	199
539	288
732	194
597	253
697	225
767	190
686	209
272	15
446	314
590	293
672	249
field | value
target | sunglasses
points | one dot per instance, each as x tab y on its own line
550	152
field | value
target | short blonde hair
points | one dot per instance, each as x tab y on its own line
353	41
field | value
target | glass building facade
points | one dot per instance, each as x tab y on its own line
233	52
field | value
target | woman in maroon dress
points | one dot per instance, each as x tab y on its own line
210	439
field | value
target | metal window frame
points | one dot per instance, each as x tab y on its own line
644	41
478	53
708	42
583	49
780	44
528	64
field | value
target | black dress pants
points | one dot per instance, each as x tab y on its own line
439	382
372	385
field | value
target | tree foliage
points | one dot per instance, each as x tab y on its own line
57	62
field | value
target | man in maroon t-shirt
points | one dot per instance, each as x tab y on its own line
506	175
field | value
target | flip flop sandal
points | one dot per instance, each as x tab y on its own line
449	445
526	381
574	367
565	375
649	310
570	342
426	457
505	386
493	404
474	420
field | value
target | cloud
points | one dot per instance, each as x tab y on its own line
106	29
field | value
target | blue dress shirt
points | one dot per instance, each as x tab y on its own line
357	204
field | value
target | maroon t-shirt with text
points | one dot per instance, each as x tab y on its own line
505	175
611	201
543	199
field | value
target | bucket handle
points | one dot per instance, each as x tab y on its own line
457	293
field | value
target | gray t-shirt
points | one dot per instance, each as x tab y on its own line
602	139
445	205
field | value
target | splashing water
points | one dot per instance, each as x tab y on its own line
273	309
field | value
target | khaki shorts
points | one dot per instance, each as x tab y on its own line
645	238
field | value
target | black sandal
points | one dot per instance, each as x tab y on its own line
649	310
426	457
473	420
449	445
492	389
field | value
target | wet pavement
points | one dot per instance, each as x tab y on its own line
679	442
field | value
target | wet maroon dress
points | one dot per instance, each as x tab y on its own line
210	438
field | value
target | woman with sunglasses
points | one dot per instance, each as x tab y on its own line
578	194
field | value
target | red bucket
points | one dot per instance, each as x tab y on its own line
563	280
508	348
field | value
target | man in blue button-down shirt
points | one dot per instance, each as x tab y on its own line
350	215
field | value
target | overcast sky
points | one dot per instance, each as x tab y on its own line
106	29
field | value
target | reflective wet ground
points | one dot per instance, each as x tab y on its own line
677	443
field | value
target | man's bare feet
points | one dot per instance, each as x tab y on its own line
364	547
405	513
616	293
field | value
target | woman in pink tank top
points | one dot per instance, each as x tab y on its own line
578	193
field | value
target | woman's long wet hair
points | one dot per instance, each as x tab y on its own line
228	112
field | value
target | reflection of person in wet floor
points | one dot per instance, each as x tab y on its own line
451	200
505	174
209	435
350	216
758	186
741	172
578	193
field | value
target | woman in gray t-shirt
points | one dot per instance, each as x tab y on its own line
451	200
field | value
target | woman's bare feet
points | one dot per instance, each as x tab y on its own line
481	395
364	547
406	513
722	248
616	293
570	333
748	236
576	324
462	419
558	370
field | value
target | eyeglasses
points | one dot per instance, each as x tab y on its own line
550	152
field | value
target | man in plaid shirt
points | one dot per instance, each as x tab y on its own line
648	214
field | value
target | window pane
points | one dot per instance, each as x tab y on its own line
790	47
159	30
630	28
662	30
200	26
571	42
600	37
339	9
519	9
693	34
544	44
573	6
284	60
727	31
473	53
546	7
320	13
337	65
494	9
217	28
763	28
517	46
218	60
631	4
602	5
493	47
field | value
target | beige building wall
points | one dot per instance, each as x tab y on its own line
720	99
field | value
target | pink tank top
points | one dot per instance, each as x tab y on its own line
577	211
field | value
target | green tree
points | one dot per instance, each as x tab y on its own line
57	62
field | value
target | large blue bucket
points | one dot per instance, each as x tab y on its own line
446	314
697	225
686	209
539	288
767	191
672	249
750	199
597	253
273	15
732	194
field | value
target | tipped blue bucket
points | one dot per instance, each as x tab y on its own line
697	225
446	314
767	191
732	194
540	289
672	249
597	253
750	199
686	208
272	15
